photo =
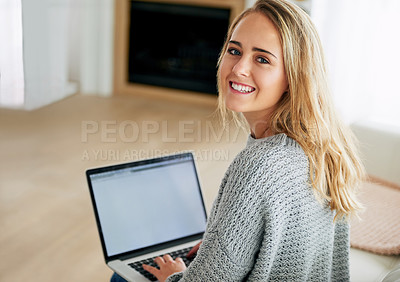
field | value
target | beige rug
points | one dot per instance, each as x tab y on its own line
378	231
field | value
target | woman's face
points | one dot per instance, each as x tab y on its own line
252	74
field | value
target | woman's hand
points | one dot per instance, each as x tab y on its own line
167	265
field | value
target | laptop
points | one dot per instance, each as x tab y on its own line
145	209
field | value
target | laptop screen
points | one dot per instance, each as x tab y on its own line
145	203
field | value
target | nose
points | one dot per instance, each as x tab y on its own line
242	67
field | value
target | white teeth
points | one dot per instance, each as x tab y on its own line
242	88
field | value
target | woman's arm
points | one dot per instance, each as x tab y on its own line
233	238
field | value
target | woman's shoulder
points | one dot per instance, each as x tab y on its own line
272	171
274	141
273	157
271	150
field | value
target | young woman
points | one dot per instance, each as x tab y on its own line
281	211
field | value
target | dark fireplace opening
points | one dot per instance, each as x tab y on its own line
176	46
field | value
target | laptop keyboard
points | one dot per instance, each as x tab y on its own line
150	261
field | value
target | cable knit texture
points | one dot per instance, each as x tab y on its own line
266	224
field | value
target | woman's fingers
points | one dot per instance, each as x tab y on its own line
167	266
153	270
167	258
159	261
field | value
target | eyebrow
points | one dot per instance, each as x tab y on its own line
254	48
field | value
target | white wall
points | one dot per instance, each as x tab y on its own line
67	48
91	42
45	37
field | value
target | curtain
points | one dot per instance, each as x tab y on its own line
91	45
11	66
45	52
33	53
361	40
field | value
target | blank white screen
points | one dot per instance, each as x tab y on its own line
142	208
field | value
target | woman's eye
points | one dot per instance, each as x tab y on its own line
262	60
233	51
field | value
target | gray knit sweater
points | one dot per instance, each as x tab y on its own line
266	225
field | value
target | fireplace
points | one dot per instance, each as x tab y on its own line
166	48
176	46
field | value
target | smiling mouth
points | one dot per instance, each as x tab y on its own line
244	89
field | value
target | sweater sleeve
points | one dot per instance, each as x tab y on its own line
234	233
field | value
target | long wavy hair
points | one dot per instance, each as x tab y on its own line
306	113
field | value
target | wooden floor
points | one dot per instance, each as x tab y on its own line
47	225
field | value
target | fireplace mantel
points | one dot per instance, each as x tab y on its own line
122	86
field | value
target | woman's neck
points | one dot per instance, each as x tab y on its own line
259	127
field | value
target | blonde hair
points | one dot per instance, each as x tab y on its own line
305	113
